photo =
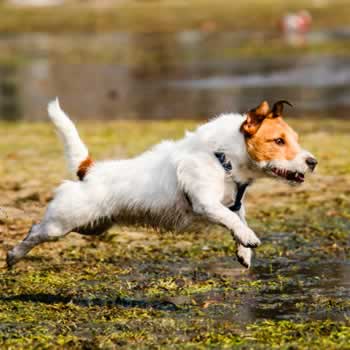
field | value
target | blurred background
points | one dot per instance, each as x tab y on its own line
161	59
126	68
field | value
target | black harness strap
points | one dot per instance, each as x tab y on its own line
240	193
226	164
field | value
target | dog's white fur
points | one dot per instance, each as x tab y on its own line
168	186
74	149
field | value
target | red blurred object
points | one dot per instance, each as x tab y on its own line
299	22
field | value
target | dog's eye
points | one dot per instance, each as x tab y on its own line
279	141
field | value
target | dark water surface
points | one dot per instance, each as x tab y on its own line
301	286
162	76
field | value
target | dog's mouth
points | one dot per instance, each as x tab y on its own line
293	176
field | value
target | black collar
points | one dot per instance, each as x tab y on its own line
241	187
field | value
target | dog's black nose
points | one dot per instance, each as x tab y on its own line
311	163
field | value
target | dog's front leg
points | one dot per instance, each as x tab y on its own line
203	183
244	254
218	213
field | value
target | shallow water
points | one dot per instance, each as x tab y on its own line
160	76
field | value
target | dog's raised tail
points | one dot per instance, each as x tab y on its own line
76	152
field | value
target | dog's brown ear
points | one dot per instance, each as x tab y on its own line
277	108
254	119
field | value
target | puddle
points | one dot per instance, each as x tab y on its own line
278	288
313	292
123	75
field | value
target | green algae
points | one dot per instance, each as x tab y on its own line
295	335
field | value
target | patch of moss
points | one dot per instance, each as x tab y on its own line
298	335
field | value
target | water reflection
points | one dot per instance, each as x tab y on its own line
317	291
160	76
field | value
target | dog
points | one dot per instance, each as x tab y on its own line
201	176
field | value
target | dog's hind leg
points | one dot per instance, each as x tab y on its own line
40	233
72	207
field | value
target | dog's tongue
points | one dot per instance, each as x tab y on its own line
300	177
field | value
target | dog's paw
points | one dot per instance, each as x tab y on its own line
11	259
245	236
244	256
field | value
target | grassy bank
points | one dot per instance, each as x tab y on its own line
138	288
164	16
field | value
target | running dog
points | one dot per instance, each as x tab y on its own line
202	176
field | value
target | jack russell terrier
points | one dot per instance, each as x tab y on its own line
204	175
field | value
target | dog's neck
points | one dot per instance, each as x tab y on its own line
223	134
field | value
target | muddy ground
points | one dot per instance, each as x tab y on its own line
138	288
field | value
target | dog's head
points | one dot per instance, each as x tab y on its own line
273	145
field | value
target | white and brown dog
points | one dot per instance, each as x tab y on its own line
204	175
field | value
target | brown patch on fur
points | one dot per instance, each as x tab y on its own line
277	108
254	119
264	128
84	167
262	145
257	115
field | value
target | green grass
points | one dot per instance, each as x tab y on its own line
164	16
139	288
